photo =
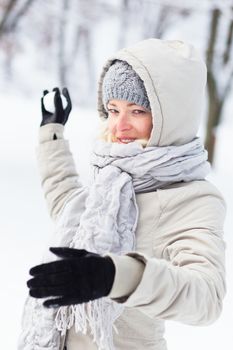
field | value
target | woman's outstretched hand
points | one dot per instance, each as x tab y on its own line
80	276
58	112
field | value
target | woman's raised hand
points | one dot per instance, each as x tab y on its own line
55	106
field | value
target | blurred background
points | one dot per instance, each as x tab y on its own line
44	44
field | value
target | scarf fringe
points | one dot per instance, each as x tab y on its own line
96	316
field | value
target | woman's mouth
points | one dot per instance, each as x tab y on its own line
125	140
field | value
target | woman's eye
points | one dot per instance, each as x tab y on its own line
113	111
138	111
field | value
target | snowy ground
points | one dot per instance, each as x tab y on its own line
26	228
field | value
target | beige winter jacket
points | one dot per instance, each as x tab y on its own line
177	270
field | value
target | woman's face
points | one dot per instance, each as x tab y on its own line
128	122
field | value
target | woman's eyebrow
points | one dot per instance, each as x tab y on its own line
129	104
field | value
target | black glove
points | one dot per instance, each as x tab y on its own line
61	114
79	277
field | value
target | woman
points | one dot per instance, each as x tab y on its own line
144	243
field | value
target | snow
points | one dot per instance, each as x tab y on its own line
48	101
26	228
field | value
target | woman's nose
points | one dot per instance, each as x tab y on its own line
123	122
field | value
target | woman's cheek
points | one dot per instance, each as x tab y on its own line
111	126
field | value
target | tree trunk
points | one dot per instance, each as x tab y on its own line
62	44
124	23
217	96
213	116
213	101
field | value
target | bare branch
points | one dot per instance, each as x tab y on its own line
6	15
15	20
161	23
10	21
226	54
213	36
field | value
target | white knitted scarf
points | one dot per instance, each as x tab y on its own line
109	221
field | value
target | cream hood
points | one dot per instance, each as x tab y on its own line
174	76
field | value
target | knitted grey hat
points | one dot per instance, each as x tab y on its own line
123	83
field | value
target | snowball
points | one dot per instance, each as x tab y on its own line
49	102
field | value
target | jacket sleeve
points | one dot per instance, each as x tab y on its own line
188	283
57	168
